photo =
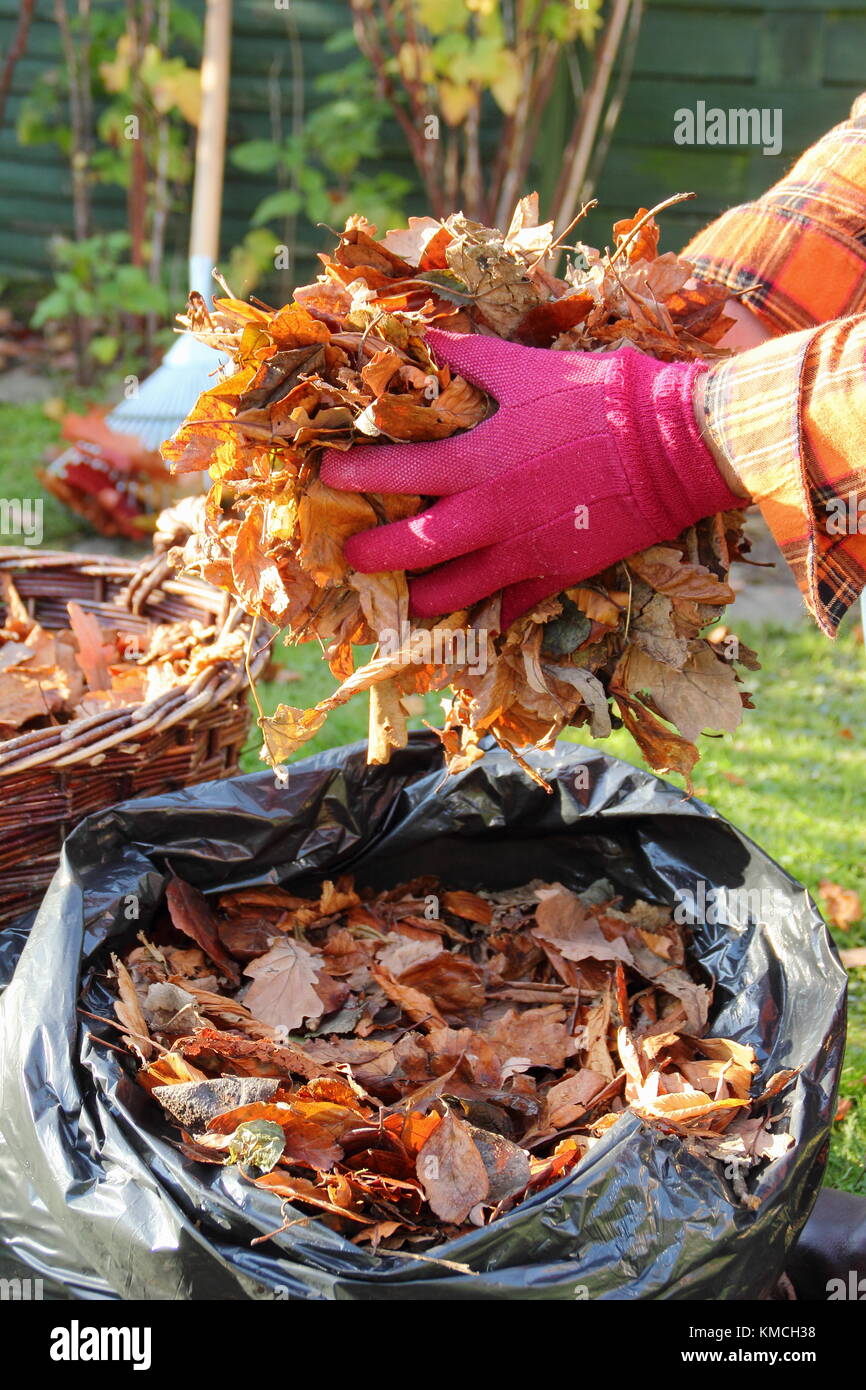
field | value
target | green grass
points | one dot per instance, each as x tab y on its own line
27	435
847	1166
790	777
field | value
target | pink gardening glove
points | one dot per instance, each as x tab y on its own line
589	458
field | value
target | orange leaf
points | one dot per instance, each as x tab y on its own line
92	655
842	906
644	247
326	520
293	327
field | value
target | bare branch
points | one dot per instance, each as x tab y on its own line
577	156
16	51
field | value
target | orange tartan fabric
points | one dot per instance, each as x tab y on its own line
800	249
792	413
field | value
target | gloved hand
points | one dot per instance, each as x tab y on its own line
589	458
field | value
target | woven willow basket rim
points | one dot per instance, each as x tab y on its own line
81	740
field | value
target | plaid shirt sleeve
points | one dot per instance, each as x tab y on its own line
792	413
798	254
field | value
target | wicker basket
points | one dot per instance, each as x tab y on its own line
51	778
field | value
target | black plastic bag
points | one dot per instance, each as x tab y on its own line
95	1199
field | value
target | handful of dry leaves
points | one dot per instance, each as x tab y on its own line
347	361
88	668
408	1063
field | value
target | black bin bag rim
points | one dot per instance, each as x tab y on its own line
94	1195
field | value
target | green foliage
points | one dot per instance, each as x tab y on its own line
27	437
92	281
125	106
326	170
168	85
485	70
847	1167
249	258
162	86
470	49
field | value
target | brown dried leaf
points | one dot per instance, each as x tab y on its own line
302	1190
388	727
451	1170
414	1003
538	1034
568	1100
258	583
129	1012
468	905
326	520
458	407
664	750
507	1165
842	906
27	694
283	993
93	655
702	695
563	920
191	915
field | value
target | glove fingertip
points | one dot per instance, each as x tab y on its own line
363	552
335	470
470	354
354	470
510	610
519	599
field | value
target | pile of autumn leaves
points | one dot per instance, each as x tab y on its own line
347	361
407	1064
90	668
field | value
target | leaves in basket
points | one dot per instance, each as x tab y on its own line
95	665
92	655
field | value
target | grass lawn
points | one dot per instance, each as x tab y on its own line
26	433
793	777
